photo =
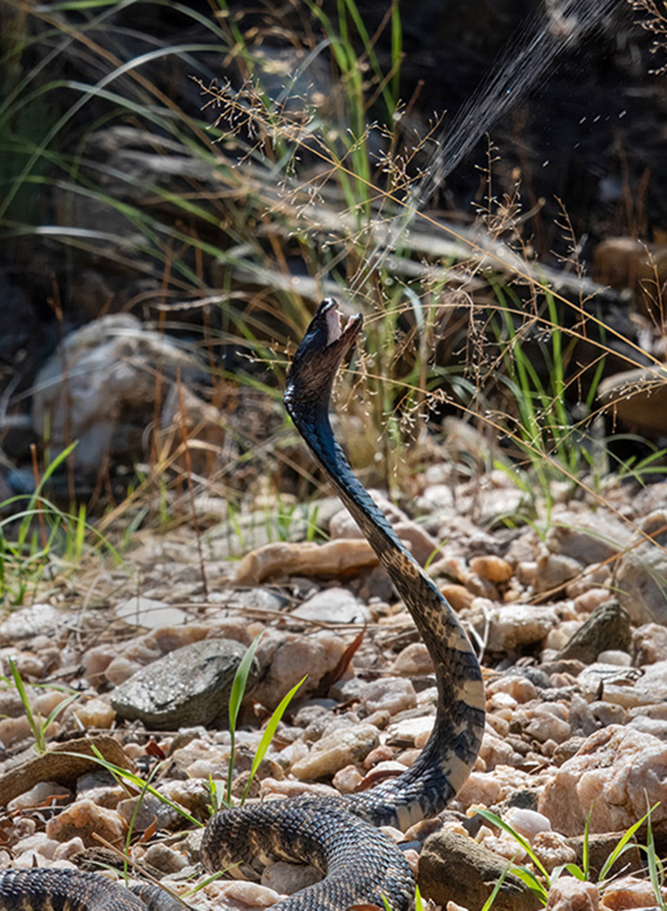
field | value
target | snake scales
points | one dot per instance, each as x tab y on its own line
338	834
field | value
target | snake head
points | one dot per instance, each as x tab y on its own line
317	359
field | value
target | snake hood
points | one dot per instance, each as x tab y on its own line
317	359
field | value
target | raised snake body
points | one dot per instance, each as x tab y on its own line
339	834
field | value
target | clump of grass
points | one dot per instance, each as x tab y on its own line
38	725
541	881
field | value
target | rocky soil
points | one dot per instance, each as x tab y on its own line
568	615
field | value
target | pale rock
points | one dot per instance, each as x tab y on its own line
435	498
149	613
14	730
554	571
590	600
552	849
100	373
413	661
38	796
334	752
560	635
503	846
511	626
616	773
347	780
496	751
38	844
499	700
623	686
517	686
286	879
588	537
248	894
334	558
629	892
121	669
193	795
570	894
409	730
650	643
390	694
333	605
289	787
548	721
67	850
165	858
526	572
615	656
594	577
85	819
641	571
95	713
28	665
288	657
528	823
499	724
96	660
647	725
36	620
381	753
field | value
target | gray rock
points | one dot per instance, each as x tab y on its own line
455	868
189	686
97	377
608	627
149	613
588	537
641	573
36	620
554	571
286	879
334	605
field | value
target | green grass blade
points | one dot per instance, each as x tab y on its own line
268	734
623	845
35	726
519	839
235	699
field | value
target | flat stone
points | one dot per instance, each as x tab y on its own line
616	774
454	868
641	572
37	620
64	763
149	613
332	753
335	558
334	605
188	686
607	627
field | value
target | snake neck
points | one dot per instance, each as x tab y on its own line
458	729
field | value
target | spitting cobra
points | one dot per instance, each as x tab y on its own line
339	834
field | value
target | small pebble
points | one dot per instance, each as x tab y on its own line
528	823
391	694
495	569
85	819
347	780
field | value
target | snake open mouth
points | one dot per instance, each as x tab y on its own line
335	329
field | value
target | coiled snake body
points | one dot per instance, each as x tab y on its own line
339	834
